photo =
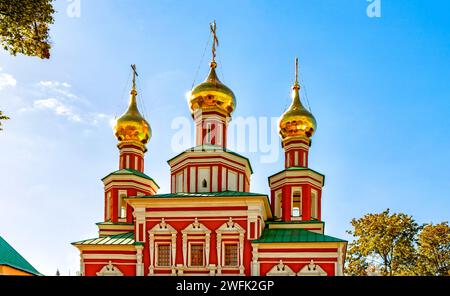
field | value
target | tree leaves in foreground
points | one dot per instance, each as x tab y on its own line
24	26
393	244
434	249
2	117
384	240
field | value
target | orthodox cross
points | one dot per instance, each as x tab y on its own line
296	70
135	74
215	43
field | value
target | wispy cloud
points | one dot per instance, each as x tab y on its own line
57	87
58	108
6	80
62	101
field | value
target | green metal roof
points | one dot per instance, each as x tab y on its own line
299	168
296	235
203	194
201	148
130	172
312	221
118	239
9	256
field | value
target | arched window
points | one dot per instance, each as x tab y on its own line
204	183
123	206
296	202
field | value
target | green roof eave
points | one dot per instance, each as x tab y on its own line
298	168
131	172
312	221
213	148
118	239
10	257
294	235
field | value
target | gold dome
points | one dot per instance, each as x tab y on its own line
212	95
131	127
297	121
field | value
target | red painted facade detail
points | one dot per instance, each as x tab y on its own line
210	223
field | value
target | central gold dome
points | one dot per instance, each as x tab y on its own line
212	95
132	127
297	121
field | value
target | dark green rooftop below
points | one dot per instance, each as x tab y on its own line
296	235
10	257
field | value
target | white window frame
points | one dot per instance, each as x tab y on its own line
299	216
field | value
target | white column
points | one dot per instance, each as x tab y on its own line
174	252
241	253
139	264
184	249
219	253
152	251
207	241
255	263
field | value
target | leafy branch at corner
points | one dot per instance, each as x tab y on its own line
24	26
394	244
2	117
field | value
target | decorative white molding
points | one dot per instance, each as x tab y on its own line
109	270
230	227
162	229
139	262
194	229
255	263
281	270
312	269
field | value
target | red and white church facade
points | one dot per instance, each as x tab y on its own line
210	223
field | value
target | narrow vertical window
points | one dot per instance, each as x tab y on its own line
123	206
278	202
108	206
314	204
208	133
296	203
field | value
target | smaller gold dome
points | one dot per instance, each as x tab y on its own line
212	95
297	121
132	127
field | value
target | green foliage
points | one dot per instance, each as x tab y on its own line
434	250
2	117
24	26
384	240
396	245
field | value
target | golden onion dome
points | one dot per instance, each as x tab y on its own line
296	121
212	95
132	127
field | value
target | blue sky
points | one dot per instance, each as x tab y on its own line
378	87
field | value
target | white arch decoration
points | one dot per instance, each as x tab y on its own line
312	269
281	270
109	270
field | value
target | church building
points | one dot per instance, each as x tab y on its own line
210	223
